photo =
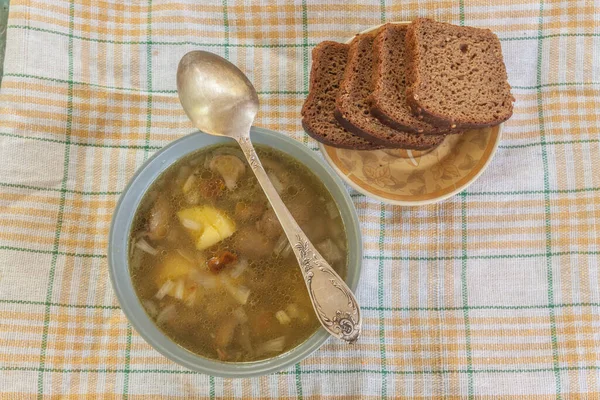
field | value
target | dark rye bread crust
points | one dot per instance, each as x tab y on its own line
456	75
352	109
318	120
388	100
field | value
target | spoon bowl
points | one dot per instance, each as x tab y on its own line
216	96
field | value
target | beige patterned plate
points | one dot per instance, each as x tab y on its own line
410	177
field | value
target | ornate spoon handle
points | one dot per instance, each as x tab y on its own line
332	299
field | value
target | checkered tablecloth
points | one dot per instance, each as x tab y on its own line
493	293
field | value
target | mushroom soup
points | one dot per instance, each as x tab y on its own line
211	264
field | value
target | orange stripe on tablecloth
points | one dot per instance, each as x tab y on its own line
186	32
31	100
28	196
96	108
74	345
20	315
422	347
26	238
415	323
20	343
30	211
78	316
99	5
94	204
191	20
24	126
488	16
34	225
96	245
74	361
480	245
85	281
97	218
565	164
31	16
20	359
422	363
177	6
573	318
92	18
432	220
26	87
580	199
122	33
581	281
25	327
92	229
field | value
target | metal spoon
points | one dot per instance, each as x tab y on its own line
220	100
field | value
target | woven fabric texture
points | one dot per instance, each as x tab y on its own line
494	293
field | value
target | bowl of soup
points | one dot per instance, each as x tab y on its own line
201	266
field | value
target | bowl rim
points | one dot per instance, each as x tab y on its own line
119	241
433	200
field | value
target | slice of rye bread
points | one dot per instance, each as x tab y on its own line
388	100
318	120
352	109
456	75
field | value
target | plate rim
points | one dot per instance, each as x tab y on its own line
360	189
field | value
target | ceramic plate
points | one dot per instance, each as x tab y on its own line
410	177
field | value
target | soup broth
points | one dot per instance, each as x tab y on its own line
209	260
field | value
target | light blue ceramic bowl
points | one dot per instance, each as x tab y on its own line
121	228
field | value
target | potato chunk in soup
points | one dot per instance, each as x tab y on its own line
210	262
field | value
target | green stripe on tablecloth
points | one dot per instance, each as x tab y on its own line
137	147
380	288
173	91
369	308
61	208
313	371
30	187
550	36
482	257
127	363
464	274
148	80
50	304
298	381
256	45
60	253
3	20
106	146
267	92
367	257
72	82
465	294
545	85
554	142
380	278
547	209
226	27
305	71
164	43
